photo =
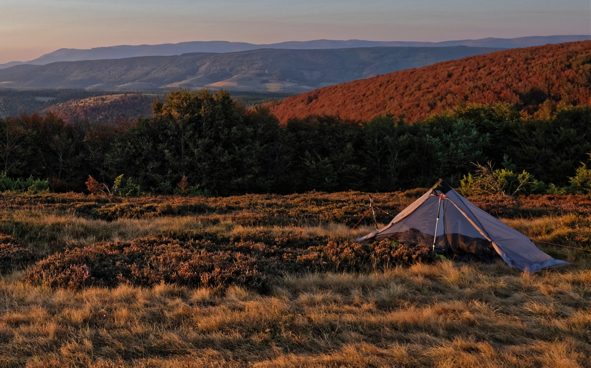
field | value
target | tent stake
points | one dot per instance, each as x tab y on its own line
436	223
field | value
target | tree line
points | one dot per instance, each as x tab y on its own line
207	143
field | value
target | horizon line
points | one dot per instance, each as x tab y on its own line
288	41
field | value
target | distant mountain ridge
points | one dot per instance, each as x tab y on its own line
534	79
268	70
170	49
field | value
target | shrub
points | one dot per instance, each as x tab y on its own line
37	185
221	269
215	263
363	257
126	187
490	181
29	185
554	189
95	187
13	256
147	262
581	182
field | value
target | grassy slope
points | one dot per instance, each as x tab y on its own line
446	314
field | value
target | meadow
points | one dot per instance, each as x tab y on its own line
277	280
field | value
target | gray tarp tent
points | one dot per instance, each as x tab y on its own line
443	219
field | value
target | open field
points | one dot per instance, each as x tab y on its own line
269	280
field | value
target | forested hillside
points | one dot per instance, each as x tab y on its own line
15	103
199	142
536	80
106	109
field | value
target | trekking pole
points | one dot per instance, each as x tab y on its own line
373	212
436	223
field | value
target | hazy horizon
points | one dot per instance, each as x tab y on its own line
30	28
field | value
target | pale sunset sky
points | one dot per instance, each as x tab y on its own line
29	28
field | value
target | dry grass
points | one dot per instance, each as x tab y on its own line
445	314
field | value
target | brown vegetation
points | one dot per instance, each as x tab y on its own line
442	315
270	280
13	255
107	109
535	78
203	263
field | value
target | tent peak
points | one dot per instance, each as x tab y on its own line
442	186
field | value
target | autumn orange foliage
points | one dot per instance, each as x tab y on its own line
531	78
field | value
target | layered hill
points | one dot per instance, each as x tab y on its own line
111	108
14	103
525	77
268	70
168	49
104	109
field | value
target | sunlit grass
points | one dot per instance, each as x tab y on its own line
443	314
446	314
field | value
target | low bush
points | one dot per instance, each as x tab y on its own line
147	262
203	263
581	182
350	256
13	256
29	185
95	187
126	187
490	181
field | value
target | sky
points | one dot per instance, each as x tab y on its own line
29	28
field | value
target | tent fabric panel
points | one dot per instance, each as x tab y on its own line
422	220
454	222
454	231
524	262
412	207
462	236
515	248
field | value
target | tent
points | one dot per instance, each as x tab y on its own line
444	220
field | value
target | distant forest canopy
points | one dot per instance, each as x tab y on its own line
207	143
535	79
102	107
